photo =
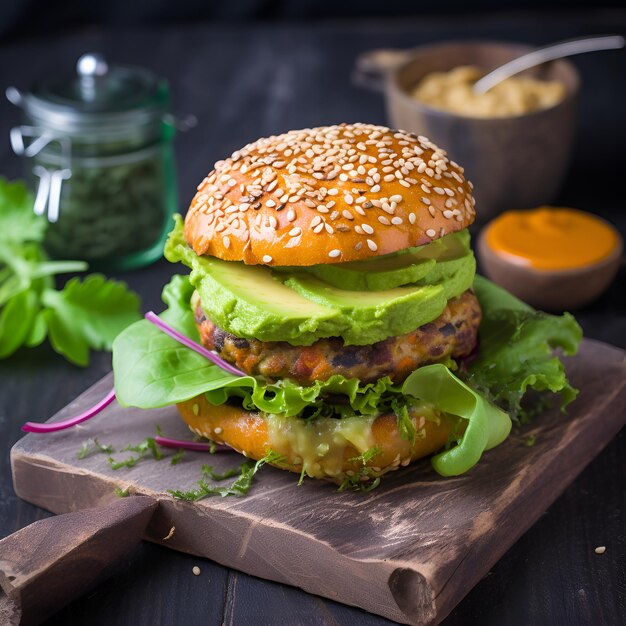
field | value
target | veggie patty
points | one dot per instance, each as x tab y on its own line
453	334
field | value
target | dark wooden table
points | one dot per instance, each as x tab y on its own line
246	81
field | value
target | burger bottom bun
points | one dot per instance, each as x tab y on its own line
250	433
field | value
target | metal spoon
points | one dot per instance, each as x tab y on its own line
547	53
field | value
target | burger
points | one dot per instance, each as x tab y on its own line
333	285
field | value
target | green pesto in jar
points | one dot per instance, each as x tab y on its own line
101	164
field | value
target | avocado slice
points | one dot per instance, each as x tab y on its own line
411	266
371	316
252	301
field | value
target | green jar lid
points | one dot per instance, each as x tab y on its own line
97	98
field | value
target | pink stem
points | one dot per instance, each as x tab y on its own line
33	427
196	347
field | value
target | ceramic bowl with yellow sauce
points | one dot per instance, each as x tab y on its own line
515	152
551	257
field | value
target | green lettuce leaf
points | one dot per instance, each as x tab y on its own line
516	350
487	427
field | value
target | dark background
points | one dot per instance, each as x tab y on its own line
29	18
251	68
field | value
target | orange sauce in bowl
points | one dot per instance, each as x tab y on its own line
552	238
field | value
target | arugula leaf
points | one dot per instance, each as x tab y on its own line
90	446
177	457
18	223
240	486
148	445
406	427
88	314
366	457
364	480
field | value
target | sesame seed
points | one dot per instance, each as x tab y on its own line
217	430
196	570
431	210
383	220
426	201
375	189
347	214
388	178
315	221
226	241
368	229
333	192
348	199
294	232
431	232
333	254
270	203
412	218
319	228
404	183
396	221
396	198
267	259
291	215
372	245
600	550
448	214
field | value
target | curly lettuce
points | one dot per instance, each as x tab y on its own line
517	349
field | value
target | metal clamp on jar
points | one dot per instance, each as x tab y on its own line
98	148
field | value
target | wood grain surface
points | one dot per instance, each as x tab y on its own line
52	561
410	550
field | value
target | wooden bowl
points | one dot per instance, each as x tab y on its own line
550	290
514	162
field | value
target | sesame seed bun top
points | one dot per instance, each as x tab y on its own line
328	195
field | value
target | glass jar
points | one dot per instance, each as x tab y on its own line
99	159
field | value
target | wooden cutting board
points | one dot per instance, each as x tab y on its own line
409	550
